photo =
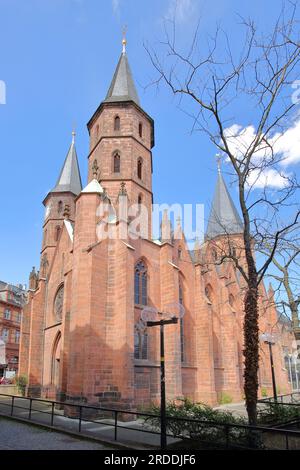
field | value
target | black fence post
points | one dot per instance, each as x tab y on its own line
80	418
227	435
52	413
12	405
30	408
116	425
286	441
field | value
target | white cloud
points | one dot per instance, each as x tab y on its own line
181	10
288	144
286	147
267	178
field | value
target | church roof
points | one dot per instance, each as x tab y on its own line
224	218
93	187
122	87
69	179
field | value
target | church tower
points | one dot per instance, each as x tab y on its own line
225	227
121	139
59	205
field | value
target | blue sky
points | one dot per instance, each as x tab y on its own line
57	58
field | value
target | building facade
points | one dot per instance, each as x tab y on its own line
12	300
82	335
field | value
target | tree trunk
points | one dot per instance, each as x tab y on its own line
251	352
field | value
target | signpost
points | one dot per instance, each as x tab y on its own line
152	317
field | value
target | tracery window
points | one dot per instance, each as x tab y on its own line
58	304
140	284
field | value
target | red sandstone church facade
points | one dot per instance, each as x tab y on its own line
80	337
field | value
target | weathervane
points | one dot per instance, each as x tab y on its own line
219	158
124	41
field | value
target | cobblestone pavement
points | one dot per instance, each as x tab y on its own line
20	436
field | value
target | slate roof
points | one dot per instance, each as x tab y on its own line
69	179
224	218
122	87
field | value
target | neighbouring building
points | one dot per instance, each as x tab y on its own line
82	337
12	300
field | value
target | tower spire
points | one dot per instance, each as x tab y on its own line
122	87
69	179
224	219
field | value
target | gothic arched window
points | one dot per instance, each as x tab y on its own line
117	124
182	345
140	168
140	129
117	163
58	304
57	232
140	345
209	292
140	284
60	207
231	300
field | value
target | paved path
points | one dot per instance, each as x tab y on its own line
19	436
102	428
237	409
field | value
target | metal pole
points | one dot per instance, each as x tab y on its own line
273	372
296	373
163	427
290	372
80	418
116	425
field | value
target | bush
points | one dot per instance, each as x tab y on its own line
225	398
275	413
21	383
210	428
264	392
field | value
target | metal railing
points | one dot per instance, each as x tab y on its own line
73	417
287	399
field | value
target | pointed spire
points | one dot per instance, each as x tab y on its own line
224	218
69	179
122	87
166	227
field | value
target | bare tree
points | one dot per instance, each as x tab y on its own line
217	80
286	274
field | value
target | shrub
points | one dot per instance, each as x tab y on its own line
225	398
275	413
210	428
21	382
264	392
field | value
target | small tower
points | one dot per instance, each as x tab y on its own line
59	201
33	279
224	219
225	227
121	139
